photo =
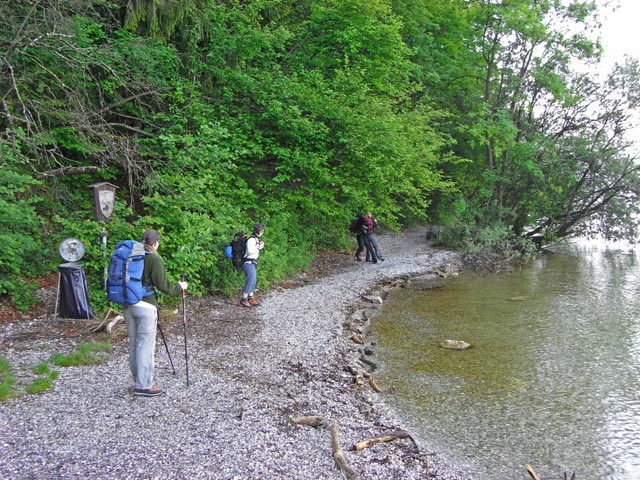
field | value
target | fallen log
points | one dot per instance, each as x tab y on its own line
370	442
338	456
310	421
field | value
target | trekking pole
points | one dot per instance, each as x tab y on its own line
184	326
166	345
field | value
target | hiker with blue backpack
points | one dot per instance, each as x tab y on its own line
250	266
141	317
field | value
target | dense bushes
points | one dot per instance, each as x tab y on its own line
22	255
210	116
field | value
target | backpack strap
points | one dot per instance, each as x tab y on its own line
148	282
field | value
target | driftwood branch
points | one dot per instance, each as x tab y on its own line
370	442
362	376
531	472
372	382
534	475
106	324
347	471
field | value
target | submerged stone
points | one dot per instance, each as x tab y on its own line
455	344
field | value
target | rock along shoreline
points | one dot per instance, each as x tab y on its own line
251	373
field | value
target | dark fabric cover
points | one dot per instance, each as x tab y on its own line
73	294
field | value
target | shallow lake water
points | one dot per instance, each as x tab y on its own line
552	378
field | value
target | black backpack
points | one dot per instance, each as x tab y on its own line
238	249
356	224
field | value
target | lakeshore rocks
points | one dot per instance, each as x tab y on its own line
373	299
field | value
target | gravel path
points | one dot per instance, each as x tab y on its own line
251	371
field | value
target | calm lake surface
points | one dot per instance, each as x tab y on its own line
552	379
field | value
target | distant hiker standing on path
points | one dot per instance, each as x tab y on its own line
356	227
142	317
374	252
250	266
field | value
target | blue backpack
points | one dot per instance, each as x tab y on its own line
124	285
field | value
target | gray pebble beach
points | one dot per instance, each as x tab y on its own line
251	372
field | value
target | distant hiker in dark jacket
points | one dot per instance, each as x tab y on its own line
250	266
142	318
356	227
374	252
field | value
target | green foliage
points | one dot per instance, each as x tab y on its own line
193	204
44	380
86	354
42	369
7	379
261	134
287	250
276	132
39	385
149	18
21	254
518	110
495	248
44	375
211	116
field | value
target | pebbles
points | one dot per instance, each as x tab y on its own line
251	372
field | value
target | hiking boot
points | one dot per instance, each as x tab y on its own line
245	303
148	392
358	258
252	302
